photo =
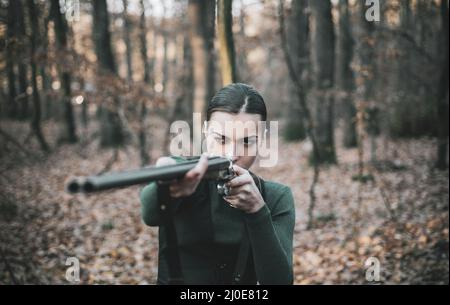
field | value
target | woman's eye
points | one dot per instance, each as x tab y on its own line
220	140
249	142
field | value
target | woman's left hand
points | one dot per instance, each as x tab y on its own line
244	194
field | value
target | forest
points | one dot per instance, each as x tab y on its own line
359	89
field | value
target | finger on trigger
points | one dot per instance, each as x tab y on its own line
238	181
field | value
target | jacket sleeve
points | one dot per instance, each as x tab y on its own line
271	239
150	208
150	205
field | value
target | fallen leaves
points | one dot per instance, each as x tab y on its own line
41	225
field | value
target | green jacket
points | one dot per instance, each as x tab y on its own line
209	232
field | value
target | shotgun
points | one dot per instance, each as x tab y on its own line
219	169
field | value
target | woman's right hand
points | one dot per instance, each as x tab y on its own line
188	184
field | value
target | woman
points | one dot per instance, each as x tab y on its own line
210	229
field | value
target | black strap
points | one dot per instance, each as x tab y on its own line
244	249
242	259
173	258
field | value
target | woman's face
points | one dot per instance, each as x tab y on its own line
235	136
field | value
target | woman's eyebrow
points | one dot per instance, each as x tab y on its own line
244	138
247	139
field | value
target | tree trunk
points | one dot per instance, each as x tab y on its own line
143	146
405	53
11	46
298	32
84	106
226	43
44	69
21	55
202	16
242	72
187	81
442	98
152	58
182	109
165	61
344	74
307	116
364	77
323	78
102	37
143	41
111	130
69	133
404	119
34	37
44	65
127	40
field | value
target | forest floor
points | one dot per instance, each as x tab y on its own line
400	218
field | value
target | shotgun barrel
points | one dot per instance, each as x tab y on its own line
219	168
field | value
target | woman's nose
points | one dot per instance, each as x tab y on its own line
232	153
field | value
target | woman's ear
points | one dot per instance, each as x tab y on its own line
205	127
